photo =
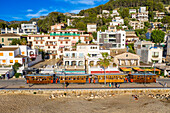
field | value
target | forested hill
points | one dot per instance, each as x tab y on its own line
152	5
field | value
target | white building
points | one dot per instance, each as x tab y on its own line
91	27
9	55
29	28
105	12
132	11
148	52
12	30
137	24
109	39
86	55
159	15
117	21
142	14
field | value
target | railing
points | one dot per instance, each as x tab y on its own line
64	34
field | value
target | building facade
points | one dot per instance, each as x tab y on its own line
91	27
57	41
6	39
31	28
137	24
148	53
108	39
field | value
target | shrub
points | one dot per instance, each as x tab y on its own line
17	75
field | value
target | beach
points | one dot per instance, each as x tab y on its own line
22	103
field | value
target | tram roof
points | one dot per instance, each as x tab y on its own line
73	75
112	74
142	74
39	75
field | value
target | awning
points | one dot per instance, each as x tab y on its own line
61	46
73	41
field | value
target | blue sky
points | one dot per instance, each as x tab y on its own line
27	9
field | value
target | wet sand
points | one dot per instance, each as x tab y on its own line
116	104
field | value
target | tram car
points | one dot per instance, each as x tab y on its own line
142	77
73	78
110	78
39	79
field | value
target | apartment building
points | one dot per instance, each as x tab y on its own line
22	54
117	21
12	30
85	55
142	14
109	39
91	27
159	15
57	41
148	52
6	39
31	28
137	24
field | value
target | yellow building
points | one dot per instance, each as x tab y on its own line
6	39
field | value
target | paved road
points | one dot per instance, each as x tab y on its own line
46	62
21	84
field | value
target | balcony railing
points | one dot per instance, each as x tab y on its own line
64	34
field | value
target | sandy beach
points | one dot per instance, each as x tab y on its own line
21	103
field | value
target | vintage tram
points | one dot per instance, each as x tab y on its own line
111	78
142	77
72	78
39	79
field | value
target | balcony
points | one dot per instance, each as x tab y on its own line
64	34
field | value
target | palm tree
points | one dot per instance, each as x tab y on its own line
105	62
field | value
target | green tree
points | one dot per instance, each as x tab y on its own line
157	36
81	26
126	21
14	26
15	42
105	62
3	25
125	13
16	67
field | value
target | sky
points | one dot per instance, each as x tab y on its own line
20	10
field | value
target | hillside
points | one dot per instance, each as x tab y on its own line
152	5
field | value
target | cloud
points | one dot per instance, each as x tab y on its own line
17	18
39	13
29	10
86	2
75	11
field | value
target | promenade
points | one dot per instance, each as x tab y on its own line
21	84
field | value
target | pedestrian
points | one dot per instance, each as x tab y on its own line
116	85
67	84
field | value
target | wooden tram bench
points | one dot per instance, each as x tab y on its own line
39	79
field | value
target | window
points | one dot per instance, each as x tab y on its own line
29	37
127	55
41	42
66	42
53	47
11	61
10	54
4	61
2	39
54	37
48	47
48	37
36	42
61	42
155	54
1	54
73	37
16	61
23	53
